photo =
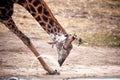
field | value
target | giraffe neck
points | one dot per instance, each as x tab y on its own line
41	12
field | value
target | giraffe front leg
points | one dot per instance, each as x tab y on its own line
11	26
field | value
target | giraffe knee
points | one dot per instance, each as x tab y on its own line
26	40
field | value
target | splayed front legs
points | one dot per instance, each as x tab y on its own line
11	26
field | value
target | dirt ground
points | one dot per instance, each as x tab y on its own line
84	61
16	59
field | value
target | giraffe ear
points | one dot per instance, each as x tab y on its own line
74	36
78	39
52	43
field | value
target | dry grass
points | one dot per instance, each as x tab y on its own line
96	21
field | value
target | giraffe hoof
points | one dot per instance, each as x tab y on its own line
53	73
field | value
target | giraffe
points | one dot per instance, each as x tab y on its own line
43	15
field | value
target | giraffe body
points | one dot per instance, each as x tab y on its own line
41	12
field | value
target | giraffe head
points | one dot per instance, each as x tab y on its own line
64	46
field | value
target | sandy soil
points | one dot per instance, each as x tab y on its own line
16	59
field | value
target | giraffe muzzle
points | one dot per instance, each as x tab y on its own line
61	61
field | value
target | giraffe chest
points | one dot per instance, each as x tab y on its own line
6	9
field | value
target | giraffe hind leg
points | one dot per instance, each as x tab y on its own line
11	26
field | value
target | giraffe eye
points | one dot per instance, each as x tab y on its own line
66	35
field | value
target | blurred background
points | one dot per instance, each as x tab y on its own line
97	22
